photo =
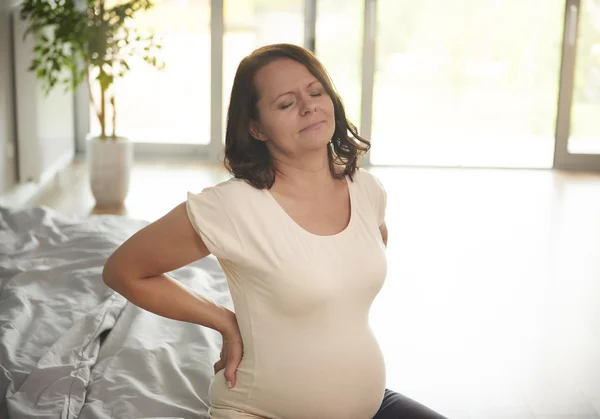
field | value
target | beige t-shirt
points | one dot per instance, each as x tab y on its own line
302	303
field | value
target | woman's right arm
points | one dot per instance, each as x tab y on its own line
137	270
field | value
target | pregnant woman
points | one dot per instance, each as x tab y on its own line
300	233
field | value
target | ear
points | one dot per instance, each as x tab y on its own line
255	131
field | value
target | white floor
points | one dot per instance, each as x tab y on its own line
490	306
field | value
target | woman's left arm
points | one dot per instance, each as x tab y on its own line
384	233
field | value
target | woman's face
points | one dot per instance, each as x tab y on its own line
296	114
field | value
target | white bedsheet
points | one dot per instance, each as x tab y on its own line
72	348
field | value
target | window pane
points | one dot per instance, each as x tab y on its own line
585	128
172	105
339	41
467	82
250	24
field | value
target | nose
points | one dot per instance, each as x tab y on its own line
309	105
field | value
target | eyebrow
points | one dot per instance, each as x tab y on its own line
287	93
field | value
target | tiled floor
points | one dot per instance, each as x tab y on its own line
491	305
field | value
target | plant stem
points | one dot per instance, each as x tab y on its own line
93	102
103	111
114	116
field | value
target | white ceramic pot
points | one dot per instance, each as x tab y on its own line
109	162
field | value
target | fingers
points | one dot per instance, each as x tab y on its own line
219	365
234	357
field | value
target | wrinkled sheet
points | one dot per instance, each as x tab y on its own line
70	347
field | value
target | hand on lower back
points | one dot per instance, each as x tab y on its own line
231	355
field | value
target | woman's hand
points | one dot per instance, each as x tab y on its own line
231	353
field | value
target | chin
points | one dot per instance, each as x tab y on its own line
317	142
319	139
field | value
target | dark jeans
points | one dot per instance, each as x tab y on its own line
397	406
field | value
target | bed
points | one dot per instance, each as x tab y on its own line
70	347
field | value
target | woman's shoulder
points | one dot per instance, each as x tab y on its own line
232	188
217	211
366	179
234	197
373	192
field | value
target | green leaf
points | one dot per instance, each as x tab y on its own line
105	80
67	37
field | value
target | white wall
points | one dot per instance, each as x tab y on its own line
8	162
40	128
45	124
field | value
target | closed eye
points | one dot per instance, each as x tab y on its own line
287	105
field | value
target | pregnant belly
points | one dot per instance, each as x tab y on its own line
338	377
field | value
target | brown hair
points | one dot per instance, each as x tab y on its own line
248	158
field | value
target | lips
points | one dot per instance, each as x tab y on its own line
310	127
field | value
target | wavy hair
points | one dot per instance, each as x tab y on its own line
248	158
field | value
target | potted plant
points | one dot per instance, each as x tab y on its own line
92	41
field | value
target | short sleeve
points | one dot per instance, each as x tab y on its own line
374	193
381	201
212	222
